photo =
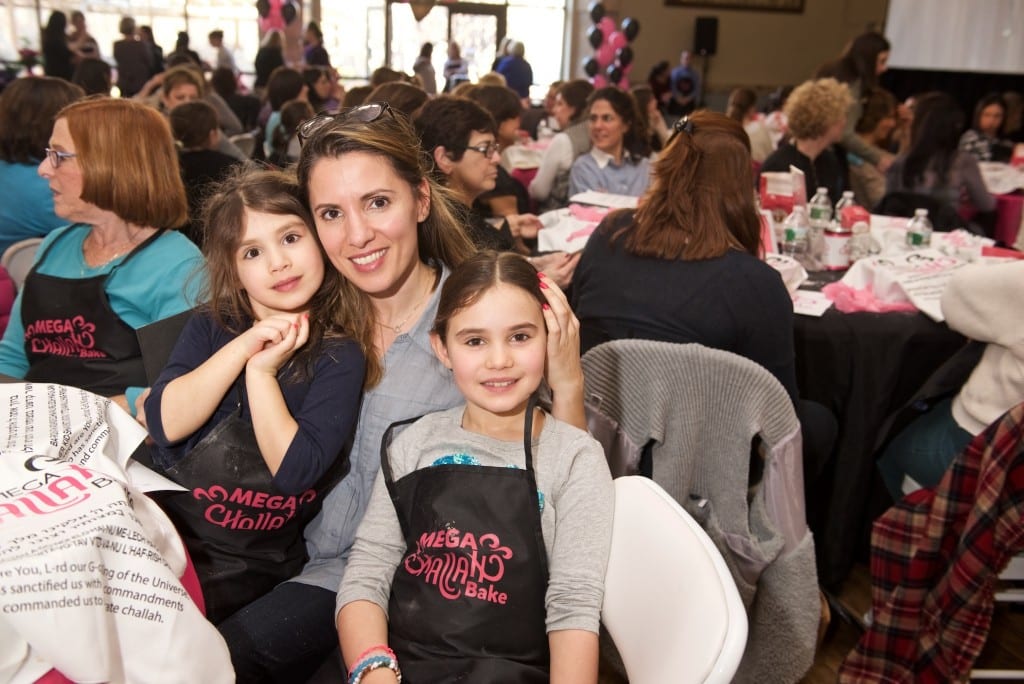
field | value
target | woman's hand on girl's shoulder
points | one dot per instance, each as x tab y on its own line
274	340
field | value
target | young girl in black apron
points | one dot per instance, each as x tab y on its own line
253	410
481	557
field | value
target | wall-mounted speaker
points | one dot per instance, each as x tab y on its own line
705	36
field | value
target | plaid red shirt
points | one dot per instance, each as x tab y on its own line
935	558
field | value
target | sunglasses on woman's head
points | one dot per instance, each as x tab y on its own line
364	114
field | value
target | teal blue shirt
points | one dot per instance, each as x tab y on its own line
27	208
163	279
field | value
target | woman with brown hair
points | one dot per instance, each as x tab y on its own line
684	266
550	187
389	228
112	167
27	108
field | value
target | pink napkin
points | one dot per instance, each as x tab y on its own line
849	300
581	233
595	214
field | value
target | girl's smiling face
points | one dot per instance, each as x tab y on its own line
279	264
496	348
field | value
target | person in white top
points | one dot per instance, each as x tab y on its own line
550	187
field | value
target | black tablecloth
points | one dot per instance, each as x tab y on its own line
863	367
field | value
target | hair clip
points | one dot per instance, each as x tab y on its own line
684	124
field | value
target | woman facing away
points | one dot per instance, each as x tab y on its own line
390	229
261	391
120	265
550	187
537	619
618	159
743	108
27	110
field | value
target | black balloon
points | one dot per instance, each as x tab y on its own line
263	7
630	27
596	10
590	66
288	12
595	37
624	56
614	73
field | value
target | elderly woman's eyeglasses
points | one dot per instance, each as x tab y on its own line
367	113
56	157
487	149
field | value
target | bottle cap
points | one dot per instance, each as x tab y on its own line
823	190
920	212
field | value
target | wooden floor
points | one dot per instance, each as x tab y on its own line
1004	650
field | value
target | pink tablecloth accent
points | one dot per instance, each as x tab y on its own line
1008	217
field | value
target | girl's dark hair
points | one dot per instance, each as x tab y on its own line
338	309
478	274
879	104
284	84
624	104
859	61
192	123
658	70
987	100
28	107
501	101
312	74
223	82
700	203
741	101
934	138
293	113
93	76
575	93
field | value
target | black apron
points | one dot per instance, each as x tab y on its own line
244	536
467	601
73	337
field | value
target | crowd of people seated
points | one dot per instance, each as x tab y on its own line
370	257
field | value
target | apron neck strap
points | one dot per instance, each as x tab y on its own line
528	432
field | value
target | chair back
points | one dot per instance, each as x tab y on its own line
670	603
19	257
246	142
696	411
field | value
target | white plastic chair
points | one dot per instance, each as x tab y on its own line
18	259
670	603
246	142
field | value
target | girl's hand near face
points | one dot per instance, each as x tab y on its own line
274	340
564	371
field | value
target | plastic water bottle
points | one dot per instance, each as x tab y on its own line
844	201
819	209
919	230
794	234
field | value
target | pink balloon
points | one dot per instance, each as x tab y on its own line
605	54
274	19
617	40
599	81
626	69
624	83
607	26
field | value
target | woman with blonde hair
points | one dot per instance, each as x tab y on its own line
120	265
816	112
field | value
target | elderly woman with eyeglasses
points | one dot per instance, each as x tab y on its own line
390	229
113	172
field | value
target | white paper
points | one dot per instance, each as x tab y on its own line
1001	179
809	303
89	565
563	232
924	290
605	199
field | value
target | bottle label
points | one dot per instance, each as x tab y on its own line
820	213
915	239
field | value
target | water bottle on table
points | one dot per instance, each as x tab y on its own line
919	230
794	234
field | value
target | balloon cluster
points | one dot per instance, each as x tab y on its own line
613	57
275	14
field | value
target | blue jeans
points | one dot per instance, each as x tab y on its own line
923	450
283	636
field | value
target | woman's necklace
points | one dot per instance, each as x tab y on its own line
398	327
94	257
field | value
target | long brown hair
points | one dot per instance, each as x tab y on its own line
338	309
701	200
